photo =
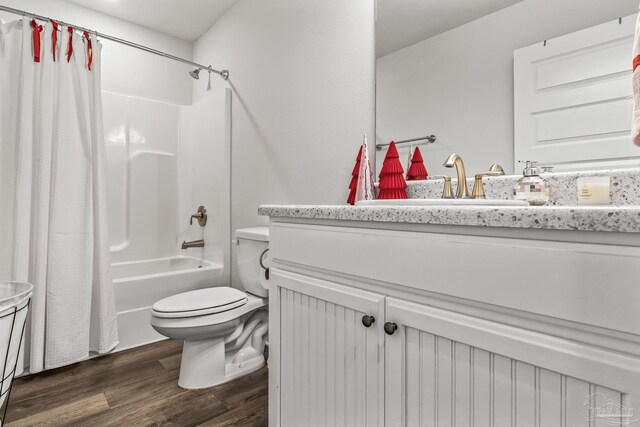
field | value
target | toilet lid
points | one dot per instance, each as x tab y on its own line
200	302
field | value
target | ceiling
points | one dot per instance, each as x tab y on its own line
184	19
401	23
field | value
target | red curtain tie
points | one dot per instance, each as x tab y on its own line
54	39
37	29
70	44
636	62
87	36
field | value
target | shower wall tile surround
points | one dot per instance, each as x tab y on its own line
142	139
164	161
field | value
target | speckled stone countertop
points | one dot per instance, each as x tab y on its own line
562	212
581	218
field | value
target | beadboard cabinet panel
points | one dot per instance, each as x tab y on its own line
329	368
445	369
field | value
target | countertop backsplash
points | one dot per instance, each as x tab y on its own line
625	187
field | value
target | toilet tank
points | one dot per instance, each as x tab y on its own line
251	244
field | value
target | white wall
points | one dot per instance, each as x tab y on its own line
302	76
125	70
459	85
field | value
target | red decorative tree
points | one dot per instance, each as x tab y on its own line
354	179
417	171
392	183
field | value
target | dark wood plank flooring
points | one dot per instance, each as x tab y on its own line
137	387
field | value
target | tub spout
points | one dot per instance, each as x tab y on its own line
193	244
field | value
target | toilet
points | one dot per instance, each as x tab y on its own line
224	329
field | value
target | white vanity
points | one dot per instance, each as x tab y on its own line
454	315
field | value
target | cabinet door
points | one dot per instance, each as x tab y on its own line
445	369
326	367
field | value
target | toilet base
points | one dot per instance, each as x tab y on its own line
206	364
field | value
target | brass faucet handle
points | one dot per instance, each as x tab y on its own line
478	184
496	168
196	216
201	216
447	190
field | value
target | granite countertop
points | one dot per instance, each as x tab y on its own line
580	218
562	212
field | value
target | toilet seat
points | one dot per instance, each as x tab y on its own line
200	302
197	327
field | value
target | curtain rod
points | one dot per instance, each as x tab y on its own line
427	139
224	73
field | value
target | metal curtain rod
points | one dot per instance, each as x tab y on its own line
428	139
224	73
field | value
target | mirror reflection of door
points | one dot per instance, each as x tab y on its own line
447	68
573	98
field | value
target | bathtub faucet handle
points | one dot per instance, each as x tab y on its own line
201	216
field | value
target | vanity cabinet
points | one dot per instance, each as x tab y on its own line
437	358
446	368
330	365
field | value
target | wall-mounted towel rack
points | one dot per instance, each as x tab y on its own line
430	139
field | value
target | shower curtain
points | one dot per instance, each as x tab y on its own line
53	216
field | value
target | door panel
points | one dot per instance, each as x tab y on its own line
331	365
445	369
573	99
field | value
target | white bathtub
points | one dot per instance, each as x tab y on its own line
139	284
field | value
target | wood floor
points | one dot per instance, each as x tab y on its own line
137	387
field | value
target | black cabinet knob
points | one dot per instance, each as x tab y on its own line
367	320
390	328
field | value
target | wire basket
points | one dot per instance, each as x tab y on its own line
15	298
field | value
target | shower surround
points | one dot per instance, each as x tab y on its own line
164	161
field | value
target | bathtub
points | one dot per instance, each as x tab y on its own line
139	284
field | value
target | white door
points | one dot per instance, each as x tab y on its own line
328	369
573	99
445	369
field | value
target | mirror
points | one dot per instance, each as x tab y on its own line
498	81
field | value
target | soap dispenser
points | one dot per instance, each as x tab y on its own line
531	187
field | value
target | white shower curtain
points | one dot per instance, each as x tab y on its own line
53	216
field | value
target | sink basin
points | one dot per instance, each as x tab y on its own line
442	202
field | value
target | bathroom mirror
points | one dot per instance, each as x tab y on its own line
498	81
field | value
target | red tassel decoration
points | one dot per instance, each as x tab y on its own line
37	29
54	39
417	171
354	179
87	37
392	184
70	44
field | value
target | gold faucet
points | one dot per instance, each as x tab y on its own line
478	185
456	160
193	244
447	190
